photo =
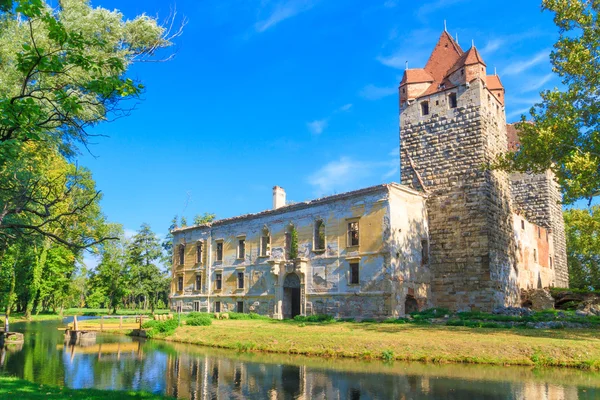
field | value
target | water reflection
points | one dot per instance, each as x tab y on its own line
183	371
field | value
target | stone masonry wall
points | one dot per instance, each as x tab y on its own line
539	197
469	208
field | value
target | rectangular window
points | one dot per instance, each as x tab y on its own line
240	306
354	278
523	224
198	282
218	281
319	235
424	251
424	108
353	237
551	262
240	280
199	252
181	254
219	251
265	242
180	283
539	232
197	306
452	103
535	255
217	306
241	248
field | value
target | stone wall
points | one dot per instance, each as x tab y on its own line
538	197
470	218
325	274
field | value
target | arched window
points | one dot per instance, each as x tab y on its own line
319	238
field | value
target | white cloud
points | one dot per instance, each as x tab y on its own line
395	152
390	3
518	67
90	260
282	11
516	115
347	174
317	126
129	233
345	107
538	83
492	45
372	92
394	61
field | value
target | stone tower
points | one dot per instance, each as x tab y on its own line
452	124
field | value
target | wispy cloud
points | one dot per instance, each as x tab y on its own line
318	126
345	107
390	3
283	10
347	173
518	67
538	84
372	92
516	114
492	45
433	6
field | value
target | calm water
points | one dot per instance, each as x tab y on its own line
185	371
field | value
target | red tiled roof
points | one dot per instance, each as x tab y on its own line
493	82
416	76
445	54
471	57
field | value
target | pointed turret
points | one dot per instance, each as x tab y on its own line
467	68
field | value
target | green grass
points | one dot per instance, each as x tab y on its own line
18	317
575	348
22	389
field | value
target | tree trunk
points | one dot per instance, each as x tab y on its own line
38	267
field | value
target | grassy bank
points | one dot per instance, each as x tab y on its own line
19	388
19	317
411	342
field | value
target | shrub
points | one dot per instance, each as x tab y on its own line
314	318
368	320
234	315
155	327
395	321
198	320
387	355
430	313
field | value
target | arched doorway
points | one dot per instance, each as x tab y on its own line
410	305
291	296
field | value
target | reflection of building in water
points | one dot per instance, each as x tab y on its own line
206	377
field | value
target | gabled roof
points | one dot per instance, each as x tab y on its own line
445	54
416	76
471	57
493	82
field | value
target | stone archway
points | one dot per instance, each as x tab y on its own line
410	305
291	296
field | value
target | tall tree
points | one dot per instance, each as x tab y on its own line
583	247
564	135
63	70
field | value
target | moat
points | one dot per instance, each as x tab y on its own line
116	362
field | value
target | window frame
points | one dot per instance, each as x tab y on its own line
452	100
349	236
196	306
319	224
198	283
217	306
180	283
237	307
265	243
199	252
219	250
425	107
241	247
218	280
240	274
353	275
181	254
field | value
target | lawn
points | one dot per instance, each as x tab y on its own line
21	389
431	343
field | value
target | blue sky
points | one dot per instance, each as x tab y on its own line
296	93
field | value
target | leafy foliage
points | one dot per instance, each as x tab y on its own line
204	219
565	129
199	320
583	247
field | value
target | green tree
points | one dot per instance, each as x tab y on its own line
582	228
204	219
112	279
144	255
564	135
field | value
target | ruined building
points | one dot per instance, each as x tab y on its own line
454	234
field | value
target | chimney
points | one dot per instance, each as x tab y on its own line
278	197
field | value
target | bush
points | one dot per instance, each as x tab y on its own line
368	320
395	321
430	313
155	327
198	320
243	316
314	318
388	355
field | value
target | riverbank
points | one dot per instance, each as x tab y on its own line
431	343
22	389
20	317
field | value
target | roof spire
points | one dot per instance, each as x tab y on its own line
495	73
472	42
456	37
406	65
445	29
